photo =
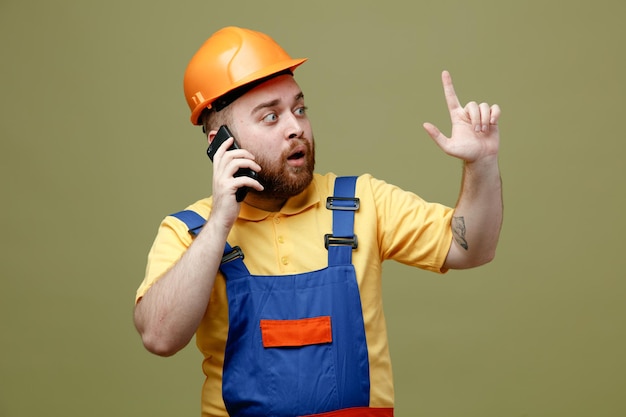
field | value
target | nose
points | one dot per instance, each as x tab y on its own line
294	128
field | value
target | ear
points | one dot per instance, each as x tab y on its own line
211	135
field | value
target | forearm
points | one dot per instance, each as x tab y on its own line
477	218
171	310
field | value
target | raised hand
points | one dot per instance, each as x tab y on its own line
225	184
475	133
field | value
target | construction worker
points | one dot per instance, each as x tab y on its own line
281	284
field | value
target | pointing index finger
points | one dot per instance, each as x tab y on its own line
451	99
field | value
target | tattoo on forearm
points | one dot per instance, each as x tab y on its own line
458	231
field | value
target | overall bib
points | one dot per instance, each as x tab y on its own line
296	343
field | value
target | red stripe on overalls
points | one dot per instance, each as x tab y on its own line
357	412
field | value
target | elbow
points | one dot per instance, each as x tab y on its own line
159	345
461	260
484	259
155	338
481	259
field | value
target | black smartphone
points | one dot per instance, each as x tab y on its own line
222	134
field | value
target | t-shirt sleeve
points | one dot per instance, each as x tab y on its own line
411	230
172	240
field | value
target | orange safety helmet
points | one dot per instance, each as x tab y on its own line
231	58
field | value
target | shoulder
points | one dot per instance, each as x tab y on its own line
177	223
201	207
325	183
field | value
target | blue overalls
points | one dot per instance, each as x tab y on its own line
296	343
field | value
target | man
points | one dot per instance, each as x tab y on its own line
290	322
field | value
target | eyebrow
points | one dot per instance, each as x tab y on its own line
275	102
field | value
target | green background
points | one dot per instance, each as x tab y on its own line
96	148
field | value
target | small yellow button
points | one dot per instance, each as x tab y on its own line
281	239
284	260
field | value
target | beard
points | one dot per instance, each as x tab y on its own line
281	180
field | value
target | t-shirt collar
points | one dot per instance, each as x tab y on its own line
297	204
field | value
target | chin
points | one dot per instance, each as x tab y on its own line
289	184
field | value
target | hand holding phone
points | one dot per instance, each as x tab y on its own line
222	135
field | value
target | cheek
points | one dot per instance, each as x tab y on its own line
266	155
244	134
246	139
265	151
263	145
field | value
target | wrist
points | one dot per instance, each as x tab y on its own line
486	163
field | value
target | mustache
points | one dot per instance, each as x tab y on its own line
299	143
296	145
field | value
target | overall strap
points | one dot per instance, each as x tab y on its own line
343	203
195	222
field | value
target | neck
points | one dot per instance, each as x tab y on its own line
270	204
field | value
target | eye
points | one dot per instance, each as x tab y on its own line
272	117
300	111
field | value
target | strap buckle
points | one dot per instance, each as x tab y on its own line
232	255
331	240
343	203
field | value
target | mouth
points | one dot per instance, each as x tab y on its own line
297	156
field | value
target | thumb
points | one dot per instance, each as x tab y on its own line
435	134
